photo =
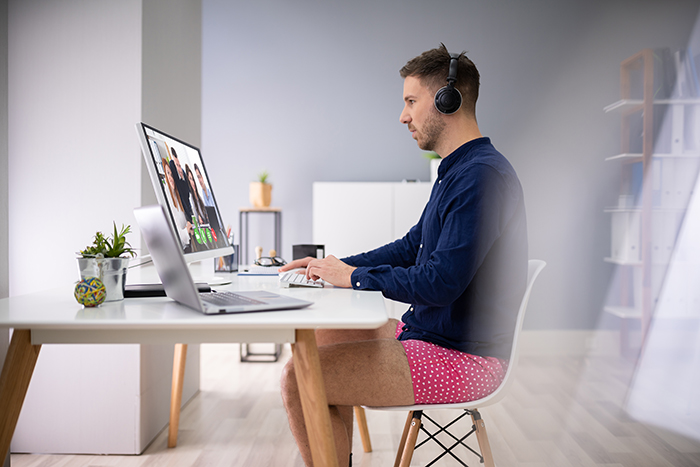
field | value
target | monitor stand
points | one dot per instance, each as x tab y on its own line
203	272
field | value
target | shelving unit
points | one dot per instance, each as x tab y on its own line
657	180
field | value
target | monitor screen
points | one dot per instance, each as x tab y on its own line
182	187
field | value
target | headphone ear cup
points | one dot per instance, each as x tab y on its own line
448	99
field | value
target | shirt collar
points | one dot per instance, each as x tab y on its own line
460	153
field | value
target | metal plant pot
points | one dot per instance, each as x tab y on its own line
111	271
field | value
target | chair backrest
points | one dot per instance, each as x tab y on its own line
534	267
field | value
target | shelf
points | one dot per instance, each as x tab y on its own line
626	312
656	209
633	157
623	209
637	157
622	262
630	104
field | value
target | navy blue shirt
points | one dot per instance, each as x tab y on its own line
463	266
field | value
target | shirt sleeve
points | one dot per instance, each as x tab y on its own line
473	211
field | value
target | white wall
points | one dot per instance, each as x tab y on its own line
75	95
77	87
311	92
4	272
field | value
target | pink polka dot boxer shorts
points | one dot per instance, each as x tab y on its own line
447	376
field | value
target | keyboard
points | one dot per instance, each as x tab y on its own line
226	299
294	279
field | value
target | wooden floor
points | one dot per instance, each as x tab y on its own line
561	411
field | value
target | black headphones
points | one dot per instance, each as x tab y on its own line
448	99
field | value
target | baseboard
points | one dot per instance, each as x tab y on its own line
569	342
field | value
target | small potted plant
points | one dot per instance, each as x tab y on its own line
107	259
261	191
435	160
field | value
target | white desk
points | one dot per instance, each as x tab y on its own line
56	318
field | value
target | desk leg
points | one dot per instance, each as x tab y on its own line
179	358
14	382
313	399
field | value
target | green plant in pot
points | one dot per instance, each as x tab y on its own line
107	258
435	160
261	191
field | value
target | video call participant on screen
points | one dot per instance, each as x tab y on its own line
181	182
208	200
198	208
184	227
461	269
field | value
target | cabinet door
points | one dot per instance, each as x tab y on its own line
409	201
352	217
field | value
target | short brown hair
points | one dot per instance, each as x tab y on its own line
432	68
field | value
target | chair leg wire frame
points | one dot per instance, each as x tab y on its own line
417	417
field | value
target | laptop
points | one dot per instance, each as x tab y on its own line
170	264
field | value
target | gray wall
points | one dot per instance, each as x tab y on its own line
310	91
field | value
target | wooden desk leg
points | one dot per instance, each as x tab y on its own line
313	399
14	382
179	358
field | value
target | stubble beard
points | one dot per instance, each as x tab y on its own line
432	131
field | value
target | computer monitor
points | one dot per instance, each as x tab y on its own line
182	187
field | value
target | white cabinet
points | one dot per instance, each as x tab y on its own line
354	217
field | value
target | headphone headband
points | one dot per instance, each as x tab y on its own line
448	99
454	63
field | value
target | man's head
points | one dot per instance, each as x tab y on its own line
176	160
432	69
423	76
200	177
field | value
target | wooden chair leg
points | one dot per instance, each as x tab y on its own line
362	426
404	435
408	444
179	359
482	438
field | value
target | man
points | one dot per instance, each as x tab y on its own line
462	269
181	183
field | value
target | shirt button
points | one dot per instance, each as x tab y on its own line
357	284
421	246
439	181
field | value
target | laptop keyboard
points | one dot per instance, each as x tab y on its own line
227	299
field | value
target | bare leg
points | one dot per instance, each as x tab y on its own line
359	368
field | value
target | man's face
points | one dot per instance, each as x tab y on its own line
201	180
424	121
179	167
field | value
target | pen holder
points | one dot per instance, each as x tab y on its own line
228	263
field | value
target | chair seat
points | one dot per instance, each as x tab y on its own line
469	405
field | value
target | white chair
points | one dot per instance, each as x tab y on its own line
415	412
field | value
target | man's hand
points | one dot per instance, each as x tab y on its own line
297	263
330	269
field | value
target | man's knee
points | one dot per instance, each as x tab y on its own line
288	381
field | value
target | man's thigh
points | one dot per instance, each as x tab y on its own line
366	372
335	336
